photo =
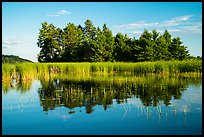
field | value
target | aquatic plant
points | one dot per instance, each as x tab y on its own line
26	71
8	71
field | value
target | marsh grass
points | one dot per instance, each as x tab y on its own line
27	71
8	71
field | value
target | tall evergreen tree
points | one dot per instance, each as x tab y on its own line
122	50
81	45
77	43
135	50
90	30
155	34
98	47
90	33
146	50
161	49
168	40
49	40
178	51
70	42
109	44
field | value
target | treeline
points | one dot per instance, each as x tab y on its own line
90	44
13	59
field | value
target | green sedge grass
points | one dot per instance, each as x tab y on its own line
26	71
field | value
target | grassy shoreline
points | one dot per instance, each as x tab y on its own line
27	71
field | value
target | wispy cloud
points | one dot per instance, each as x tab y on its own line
182	24
24	47
175	21
59	13
137	32
134	33
141	24
4	47
193	29
7	42
10	41
174	30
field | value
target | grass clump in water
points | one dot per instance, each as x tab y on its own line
25	71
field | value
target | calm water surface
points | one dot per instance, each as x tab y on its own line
64	106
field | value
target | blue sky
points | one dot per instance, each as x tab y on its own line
21	21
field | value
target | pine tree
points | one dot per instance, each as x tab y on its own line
49	40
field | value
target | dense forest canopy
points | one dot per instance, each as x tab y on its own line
90	44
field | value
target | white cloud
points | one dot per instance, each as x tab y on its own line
4	47
10	41
139	24
59	13
182	24
25	47
174	30
7	42
176	21
62	12
182	18
137	32
194	29
169	30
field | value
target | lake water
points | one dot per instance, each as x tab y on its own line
103	106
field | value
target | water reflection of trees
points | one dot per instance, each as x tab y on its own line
89	93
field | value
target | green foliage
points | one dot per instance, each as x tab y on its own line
25	71
161	49
50	42
91	44
108	44
177	51
13	59
99	47
8	71
71	39
122	48
28	71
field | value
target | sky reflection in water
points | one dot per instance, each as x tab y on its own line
65	106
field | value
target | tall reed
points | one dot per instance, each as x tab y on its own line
8	71
25	71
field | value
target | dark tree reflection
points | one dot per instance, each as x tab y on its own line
89	93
